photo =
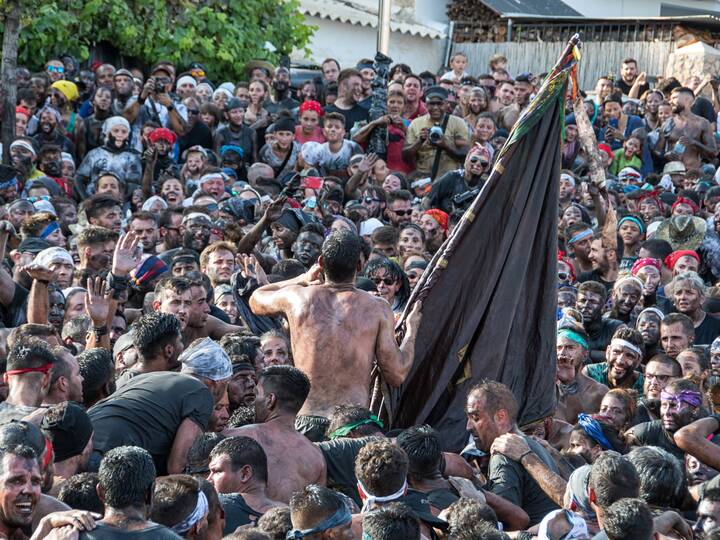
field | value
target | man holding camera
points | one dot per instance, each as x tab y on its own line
457	189
436	141
157	104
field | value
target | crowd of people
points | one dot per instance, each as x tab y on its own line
198	278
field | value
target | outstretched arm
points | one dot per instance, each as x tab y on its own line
395	362
276	298
693	440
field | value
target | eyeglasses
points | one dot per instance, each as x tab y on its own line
54	69
387	281
659	378
403	212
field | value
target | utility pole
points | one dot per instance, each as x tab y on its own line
383	39
11	35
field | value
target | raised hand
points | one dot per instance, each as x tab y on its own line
367	162
127	254
97	304
251	268
39	273
275	208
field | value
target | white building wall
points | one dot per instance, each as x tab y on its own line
636	8
348	43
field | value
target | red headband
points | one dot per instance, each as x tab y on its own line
162	133
684	200
441	217
673	258
48	453
42	369
311	105
642	263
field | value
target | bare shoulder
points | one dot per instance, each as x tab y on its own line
251	430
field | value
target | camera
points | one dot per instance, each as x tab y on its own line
462	200
435	134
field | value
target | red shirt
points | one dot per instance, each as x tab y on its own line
317	135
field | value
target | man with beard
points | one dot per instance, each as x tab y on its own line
413	90
576	392
399	207
491	411
688	296
308	245
659	371
104	211
282	99
144	225
66	381
23	157
239	471
198	134
241	388
648	324
195	231
604	263
686	136
158	343
173	296
590	302
169	230
680	405
95	248
114	156
626	293
236	133
49	131
50	163
219	262
677	333
347	102
59	262
280	394
460	181
623	356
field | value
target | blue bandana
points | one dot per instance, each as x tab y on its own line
49	229
594	431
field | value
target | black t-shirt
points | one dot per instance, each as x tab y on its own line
510	480
147	412
442	192
702	106
15	314
237	512
340	457
708	330
287	104
199	134
625	87
105	532
653	434
594	275
355	115
244	138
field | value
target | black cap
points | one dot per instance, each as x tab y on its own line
436	91
284	123
69	428
33	245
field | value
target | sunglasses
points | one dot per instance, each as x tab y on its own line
53	69
387	281
403	212
212	207
476	159
193	111
369	200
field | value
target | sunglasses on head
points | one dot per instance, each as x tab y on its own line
369	200
53	69
403	212
387	281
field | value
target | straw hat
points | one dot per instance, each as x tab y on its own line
683	232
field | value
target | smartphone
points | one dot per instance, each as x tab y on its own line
613	123
312	182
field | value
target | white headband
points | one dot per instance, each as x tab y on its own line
114	121
626	345
654	310
565	176
632	279
371	499
24	144
52	255
184	80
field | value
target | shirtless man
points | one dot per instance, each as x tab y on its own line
200	324
337	331
293	461
576	392
686	136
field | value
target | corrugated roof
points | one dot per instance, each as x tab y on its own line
364	13
546	8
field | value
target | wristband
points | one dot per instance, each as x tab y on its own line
118	283
43	281
170	107
525	454
100	331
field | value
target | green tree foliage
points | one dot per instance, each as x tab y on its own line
222	34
